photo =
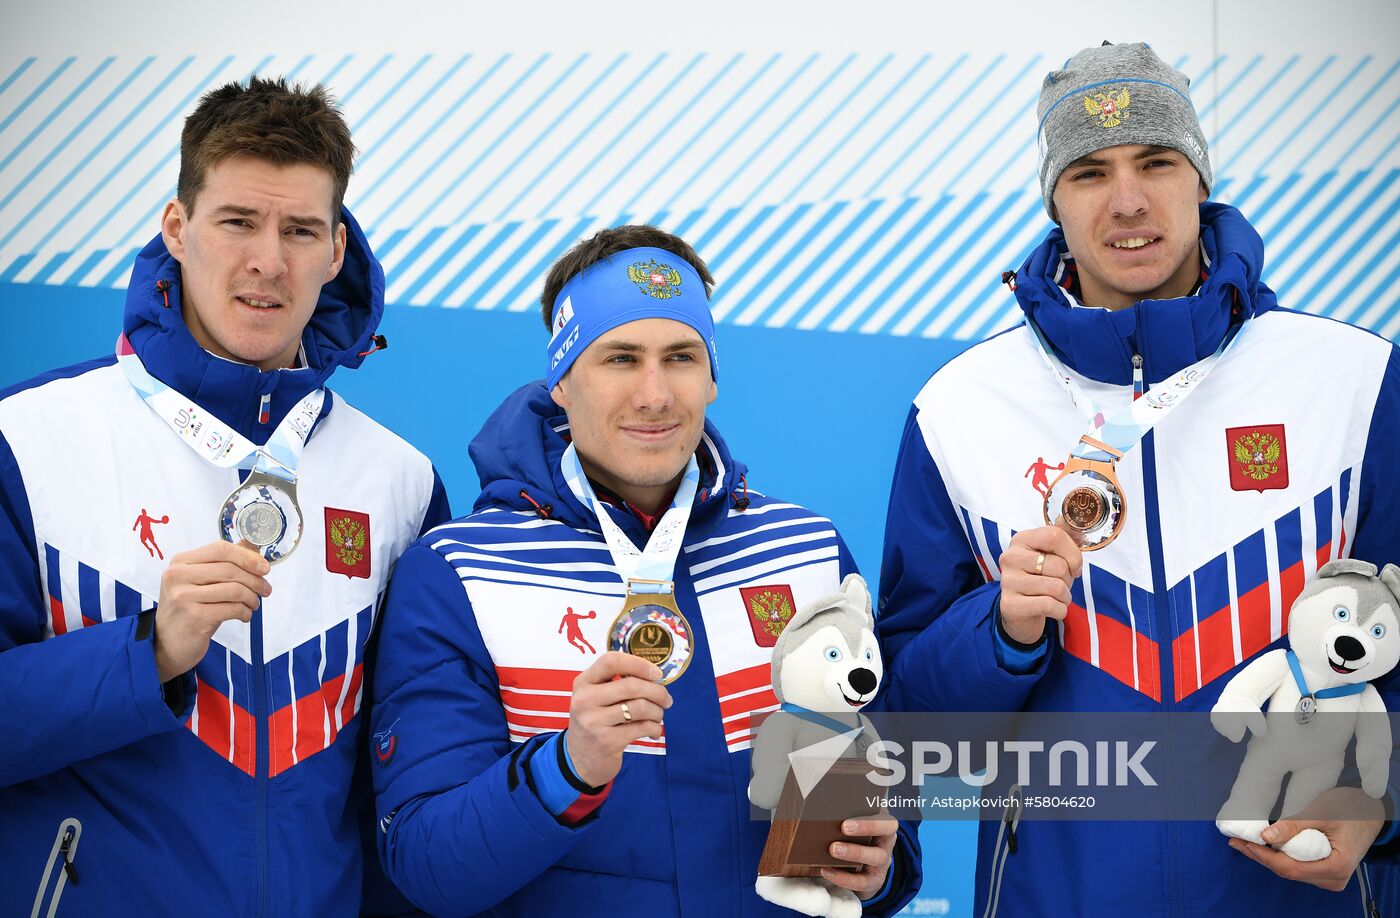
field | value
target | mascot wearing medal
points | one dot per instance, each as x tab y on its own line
1343	632
826	667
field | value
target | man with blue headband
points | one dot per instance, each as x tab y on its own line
1209	452
525	765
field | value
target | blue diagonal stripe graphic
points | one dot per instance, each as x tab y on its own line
176	111
654	104
440	263
16	73
477	298
514	299
819	261
479	259
1288	103
1278	259
720	258
525	112
433	128
38	91
734	277
797	110
368	77
681	148
1349	113
870	112
882	266
813	316
393	91
760	111
797	252
1268	86
53	154
412	108
899	122
58	110
454	148
1230	87
547	174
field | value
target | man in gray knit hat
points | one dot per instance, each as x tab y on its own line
1168	550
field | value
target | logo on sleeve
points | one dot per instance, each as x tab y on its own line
385	745
347	543
1258	458
769	608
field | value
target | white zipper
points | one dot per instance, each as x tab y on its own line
65	849
1000	852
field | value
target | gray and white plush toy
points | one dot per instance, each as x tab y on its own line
826	667
1343	632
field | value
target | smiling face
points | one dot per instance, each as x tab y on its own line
636	402
1131	219
833	669
1339	631
254	255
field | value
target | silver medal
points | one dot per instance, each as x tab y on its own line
1304	712
263	512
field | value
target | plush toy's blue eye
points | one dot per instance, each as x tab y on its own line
1342	614
869	655
833	654
1378	631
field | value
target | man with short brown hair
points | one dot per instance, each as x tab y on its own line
181	735
528	773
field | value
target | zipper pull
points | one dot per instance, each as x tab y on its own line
1138	387
64	849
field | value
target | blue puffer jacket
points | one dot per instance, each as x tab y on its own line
474	679
229	790
1198	583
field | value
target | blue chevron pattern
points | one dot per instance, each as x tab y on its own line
865	193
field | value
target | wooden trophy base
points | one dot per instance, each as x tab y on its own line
800	846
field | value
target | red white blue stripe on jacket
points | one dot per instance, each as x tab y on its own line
1227	609
312	697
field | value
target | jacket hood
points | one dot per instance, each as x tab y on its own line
339	333
520	447
1168	334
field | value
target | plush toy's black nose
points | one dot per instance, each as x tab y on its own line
863	680
1349	648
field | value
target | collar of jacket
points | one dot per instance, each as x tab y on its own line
340	329
519	449
1168	334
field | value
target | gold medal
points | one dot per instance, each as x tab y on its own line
1087	500
652	627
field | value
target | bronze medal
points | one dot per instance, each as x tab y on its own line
1086	499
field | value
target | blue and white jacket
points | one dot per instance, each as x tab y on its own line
1198	583
227	791
475	673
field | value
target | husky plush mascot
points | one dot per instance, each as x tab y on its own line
1343	632
826	667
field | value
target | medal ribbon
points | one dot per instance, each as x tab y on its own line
658	560
1337	691
212	439
1126	427
820	719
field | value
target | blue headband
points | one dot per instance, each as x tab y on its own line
642	283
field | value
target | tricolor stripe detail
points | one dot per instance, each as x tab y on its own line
742	695
80	596
536	701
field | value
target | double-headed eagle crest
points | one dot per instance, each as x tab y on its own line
660	281
1111	108
771	609
1258	455
348	537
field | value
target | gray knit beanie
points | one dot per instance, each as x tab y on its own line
1110	96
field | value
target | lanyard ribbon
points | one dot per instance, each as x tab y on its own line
212	439
657	562
1126	427
1337	691
820	719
